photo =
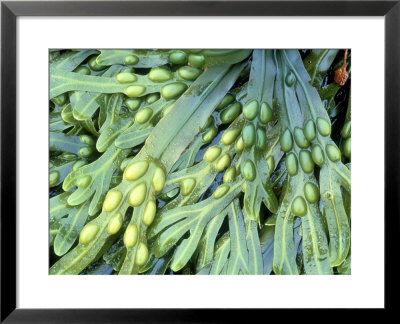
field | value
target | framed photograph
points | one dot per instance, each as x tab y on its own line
197	156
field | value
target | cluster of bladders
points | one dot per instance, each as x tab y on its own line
236	136
255	135
136	197
250	135
307	159
228	109
168	91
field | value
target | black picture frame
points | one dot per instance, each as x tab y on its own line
10	10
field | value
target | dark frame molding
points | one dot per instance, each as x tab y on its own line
10	10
